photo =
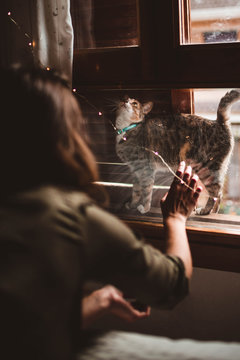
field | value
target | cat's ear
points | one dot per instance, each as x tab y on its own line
147	107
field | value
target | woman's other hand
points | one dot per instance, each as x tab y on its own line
109	300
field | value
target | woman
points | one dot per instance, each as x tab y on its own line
53	235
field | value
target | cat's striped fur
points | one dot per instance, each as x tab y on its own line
204	144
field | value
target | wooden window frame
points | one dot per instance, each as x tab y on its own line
203	65
176	67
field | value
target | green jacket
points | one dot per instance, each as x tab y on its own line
51	242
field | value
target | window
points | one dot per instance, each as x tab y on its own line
102	24
206	102
214	21
219	36
116	175
165	67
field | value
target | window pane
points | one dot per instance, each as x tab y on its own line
115	174
104	23
162	141
212	21
206	103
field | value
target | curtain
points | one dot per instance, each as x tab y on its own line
52	33
45	23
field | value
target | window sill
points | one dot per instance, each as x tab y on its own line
214	240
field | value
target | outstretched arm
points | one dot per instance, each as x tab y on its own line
176	206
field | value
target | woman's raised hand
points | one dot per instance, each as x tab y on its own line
183	194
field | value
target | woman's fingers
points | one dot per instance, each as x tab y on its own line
197	192
180	171
183	194
187	174
189	190
126	311
193	181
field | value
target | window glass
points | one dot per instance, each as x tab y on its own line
105	23
100	110
214	21
206	103
162	142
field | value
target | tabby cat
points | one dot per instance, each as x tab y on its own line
204	144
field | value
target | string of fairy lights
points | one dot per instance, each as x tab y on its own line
31	45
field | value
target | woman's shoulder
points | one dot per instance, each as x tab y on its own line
45	199
53	196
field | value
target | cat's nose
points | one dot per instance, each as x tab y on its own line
125	98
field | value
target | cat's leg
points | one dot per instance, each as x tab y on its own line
136	195
214	200
147	189
213	181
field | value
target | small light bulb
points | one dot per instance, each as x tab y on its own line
9	13
124	138
30	44
100	113
156	153
48	68
74	90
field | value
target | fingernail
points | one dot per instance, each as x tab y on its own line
188	170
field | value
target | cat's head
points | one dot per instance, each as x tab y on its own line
132	110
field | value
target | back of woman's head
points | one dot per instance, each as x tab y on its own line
40	133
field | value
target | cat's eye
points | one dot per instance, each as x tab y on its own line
205	22
134	103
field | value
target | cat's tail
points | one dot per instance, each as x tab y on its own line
224	107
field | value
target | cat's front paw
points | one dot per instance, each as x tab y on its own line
142	209
127	206
202	211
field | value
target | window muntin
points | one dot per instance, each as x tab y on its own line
210	21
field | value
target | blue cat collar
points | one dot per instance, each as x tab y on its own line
120	131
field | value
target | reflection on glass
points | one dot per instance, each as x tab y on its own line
138	141
214	21
206	103
104	23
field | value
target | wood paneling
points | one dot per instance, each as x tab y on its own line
213	249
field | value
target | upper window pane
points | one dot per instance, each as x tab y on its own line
105	23
211	21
